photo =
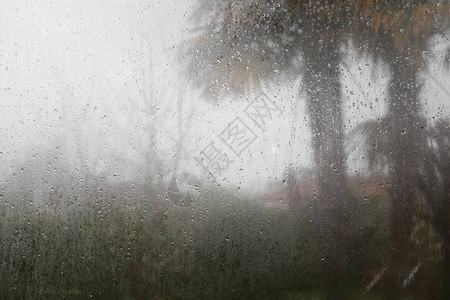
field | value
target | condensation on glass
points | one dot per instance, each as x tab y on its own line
274	149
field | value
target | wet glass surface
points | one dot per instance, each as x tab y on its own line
276	149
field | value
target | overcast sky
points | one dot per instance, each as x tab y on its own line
76	73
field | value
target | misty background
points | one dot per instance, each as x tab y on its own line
82	75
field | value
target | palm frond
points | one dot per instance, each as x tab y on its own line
241	45
406	25
243	42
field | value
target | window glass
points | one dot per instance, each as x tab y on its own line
274	149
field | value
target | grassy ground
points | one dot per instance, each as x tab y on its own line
136	248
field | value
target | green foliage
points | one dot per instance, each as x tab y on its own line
117	245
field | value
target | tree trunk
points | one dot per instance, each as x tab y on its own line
445	232
406	142
438	194
324	98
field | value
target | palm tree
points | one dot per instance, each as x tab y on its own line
398	34
435	186
244	41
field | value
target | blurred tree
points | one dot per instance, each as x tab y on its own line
397	32
436	187
245	42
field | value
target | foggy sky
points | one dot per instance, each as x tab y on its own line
75	73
